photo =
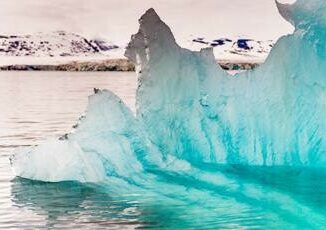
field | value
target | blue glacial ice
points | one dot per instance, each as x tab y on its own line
204	139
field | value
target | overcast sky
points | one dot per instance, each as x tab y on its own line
116	20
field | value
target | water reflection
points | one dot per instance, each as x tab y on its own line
70	204
241	197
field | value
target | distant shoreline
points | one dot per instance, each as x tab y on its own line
122	65
75	66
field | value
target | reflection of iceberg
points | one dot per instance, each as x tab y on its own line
192	116
69	198
228	198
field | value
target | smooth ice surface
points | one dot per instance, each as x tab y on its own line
202	138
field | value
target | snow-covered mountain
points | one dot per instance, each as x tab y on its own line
62	47
56	44
237	49
117	19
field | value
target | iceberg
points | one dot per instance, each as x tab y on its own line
190	112
203	140
273	115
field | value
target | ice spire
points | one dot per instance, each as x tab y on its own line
285	11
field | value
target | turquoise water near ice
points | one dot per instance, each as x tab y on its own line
288	202
233	197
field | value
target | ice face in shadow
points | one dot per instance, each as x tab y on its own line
191	112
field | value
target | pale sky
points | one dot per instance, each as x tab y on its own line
116	20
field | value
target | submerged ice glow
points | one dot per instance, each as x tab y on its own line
193	120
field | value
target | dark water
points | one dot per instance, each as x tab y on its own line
36	105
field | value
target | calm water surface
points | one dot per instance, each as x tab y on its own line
37	105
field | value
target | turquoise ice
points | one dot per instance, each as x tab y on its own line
273	115
201	137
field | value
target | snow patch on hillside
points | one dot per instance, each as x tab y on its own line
239	49
54	48
62	47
